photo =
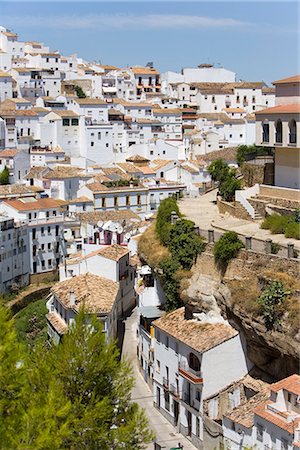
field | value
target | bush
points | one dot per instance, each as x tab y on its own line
276	223
227	248
79	92
275	248
171	283
228	187
4	176
31	323
292	230
184	243
244	150
271	302
218	170
163	219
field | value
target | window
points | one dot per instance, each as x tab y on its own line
49	246
103	202
176	348
157	335
167	341
75	122
99	135
197	427
157	366
278	129
194	362
42	231
106	145
259	432
241	135
127	200
49	262
66	122
284	444
43	264
115	201
139	202
43	247
292	132
49	230
92	144
265	132
167	400
253	99
213	100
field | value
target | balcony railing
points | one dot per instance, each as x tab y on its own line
166	382
174	390
190	374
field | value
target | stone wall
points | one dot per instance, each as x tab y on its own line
257	174
25	298
279	192
234	209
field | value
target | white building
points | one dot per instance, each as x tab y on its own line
45	227
17	162
14	255
5	85
269	420
189	357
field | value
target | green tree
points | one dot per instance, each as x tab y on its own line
244	150
184	243
163	219
171	283
272	303
75	395
79	92
227	247
228	186
4	176
218	170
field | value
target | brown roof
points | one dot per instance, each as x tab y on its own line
114	252
189	168
4	74
65	113
294	79
144	71
9	152
167	111
244	413
158	164
17	190
91	101
228	154
80	200
234	110
57	322
128	167
290	384
93	217
281	109
199	336
280	420
37	172
61	172
96	293
36	204
137	158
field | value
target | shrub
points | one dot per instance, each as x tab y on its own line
163	219
275	248
228	187
276	223
292	230
184	243
227	247
4	176
244	150
271	302
171	283
79	92
218	170
297	215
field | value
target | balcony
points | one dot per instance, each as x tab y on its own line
174	390
189	374
166	383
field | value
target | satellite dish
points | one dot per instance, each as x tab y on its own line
100	223
67	234
127	236
120	229
106	226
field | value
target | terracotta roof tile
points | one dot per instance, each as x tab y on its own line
281	109
9	152
93	217
35	204
294	79
199	336
57	322
244	413
114	252
96	293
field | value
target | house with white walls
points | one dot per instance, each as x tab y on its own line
269	420
45	221
14	254
5	85
17	162
189	355
46	155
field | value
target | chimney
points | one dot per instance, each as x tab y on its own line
72	297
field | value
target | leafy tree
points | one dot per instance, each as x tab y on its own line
244	150
184	243
75	395
227	247
79	92
272	303
171	283
4	176
228	186
163	219
218	170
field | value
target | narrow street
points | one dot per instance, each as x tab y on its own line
166	435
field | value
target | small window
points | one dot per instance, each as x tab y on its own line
167	341
75	122
157	366
66	122
92	144
103	202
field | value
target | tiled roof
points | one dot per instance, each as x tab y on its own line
281	109
4	74
244	413
137	158
9	152
62	172
189	168
167	111
96	293
294	79
17	189
57	322
128	167
65	113
144	71
280	420
80	200
92	101
37	204
228	154
36	172
290	384
113	252
234	110
93	217
158	164
201	337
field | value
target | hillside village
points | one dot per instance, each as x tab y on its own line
92	159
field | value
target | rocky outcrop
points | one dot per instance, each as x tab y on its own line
210	294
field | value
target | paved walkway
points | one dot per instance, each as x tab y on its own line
166	435
204	212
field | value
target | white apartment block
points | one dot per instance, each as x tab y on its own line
45	222
189	356
14	254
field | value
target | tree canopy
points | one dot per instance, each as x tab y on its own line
72	396
4	176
